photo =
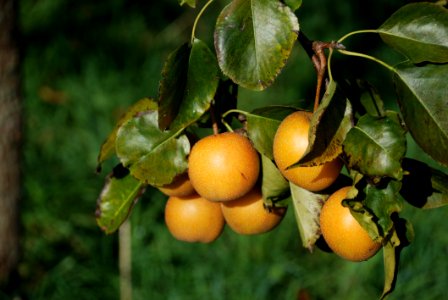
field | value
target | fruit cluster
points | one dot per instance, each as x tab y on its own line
221	188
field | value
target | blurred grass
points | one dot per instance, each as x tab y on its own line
84	63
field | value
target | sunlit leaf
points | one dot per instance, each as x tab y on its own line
307	207
153	156
188	85
328	127
423	186
116	200
262	123
423	101
274	186
253	39
294	4
108	147
191	3
376	146
419	31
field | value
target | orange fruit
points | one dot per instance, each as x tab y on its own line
194	219
180	187
247	215
290	143
342	232
223	167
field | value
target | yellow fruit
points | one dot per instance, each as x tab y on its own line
223	167
194	219
343	234
290	143
247	215
180	187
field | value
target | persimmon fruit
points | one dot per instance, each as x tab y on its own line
342	232
289	145
248	216
223	166
194	219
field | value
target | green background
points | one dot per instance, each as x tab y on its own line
84	63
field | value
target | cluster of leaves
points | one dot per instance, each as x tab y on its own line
253	40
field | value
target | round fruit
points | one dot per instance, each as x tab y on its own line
194	219
343	234
223	167
290	143
247	215
180	187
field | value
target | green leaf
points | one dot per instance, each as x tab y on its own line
423	186
376	146
293	4
153	156
116	200
419	31
274	186
188	85
253	39
262	124
191	3
307	207
108	147
422	95
328	127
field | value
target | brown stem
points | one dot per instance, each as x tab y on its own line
215	126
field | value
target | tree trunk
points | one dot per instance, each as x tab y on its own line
10	137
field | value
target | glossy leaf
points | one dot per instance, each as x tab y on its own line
274	186
253	39
189	82
262	124
108	147
116	201
153	156
422	94
328	127
191	3
376	146
423	186
307	207
419	31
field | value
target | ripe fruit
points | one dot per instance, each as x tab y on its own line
343	234
247	215
223	167
180	187
194	219
290	143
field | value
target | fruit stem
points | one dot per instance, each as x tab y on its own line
215	126
193	31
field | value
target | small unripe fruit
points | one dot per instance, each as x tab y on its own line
247	215
223	167
290	144
342	232
194	219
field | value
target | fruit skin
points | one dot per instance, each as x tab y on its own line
343	234
180	187
194	219
247	215
223	167
290	143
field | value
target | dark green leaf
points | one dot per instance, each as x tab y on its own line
423	101
189	83
274	186
116	201
328	128
191	3
376	146
307	207
262	124
423	186
153	156
108	147
419	31
253	39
